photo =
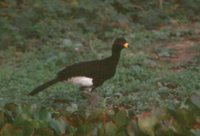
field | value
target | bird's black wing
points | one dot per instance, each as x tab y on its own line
87	69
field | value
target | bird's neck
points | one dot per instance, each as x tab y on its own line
115	56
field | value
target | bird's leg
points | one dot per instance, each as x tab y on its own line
88	90
92	89
92	97
85	91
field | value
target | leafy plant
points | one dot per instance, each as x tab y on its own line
24	119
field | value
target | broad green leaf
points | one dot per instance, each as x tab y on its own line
196	132
42	114
44	132
58	125
86	129
110	129
10	130
28	126
11	107
3	119
147	122
185	117
121	118
196	100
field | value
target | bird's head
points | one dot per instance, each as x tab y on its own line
120	43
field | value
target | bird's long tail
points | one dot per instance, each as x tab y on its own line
43	86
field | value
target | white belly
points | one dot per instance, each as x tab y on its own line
81	80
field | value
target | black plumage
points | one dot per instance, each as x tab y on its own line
98	70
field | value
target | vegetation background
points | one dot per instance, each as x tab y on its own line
158	78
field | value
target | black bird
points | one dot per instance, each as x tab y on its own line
90	74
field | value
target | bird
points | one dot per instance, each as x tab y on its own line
89	74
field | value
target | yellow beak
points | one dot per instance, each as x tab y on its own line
125	45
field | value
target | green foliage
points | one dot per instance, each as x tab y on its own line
141	81
26	24
38	38
24	119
